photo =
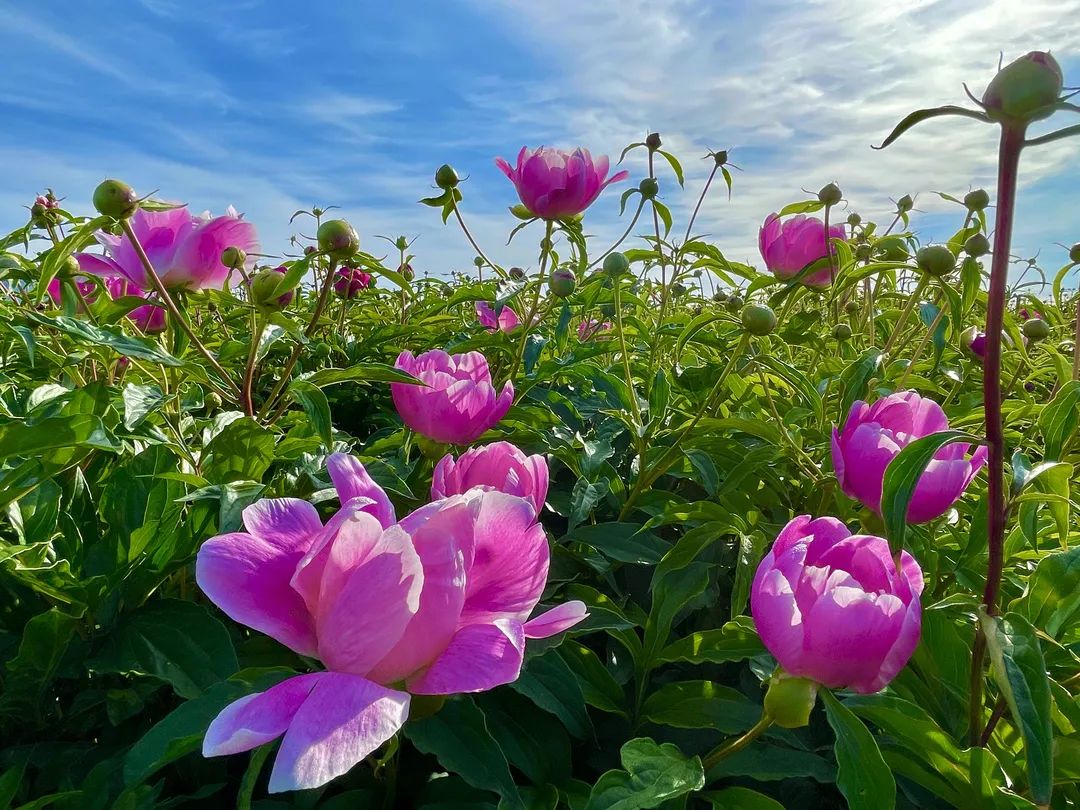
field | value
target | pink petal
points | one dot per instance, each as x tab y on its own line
351	480
256	719
344	719
480	657
556	620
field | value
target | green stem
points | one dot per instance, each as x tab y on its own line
545	253
905	313
711	760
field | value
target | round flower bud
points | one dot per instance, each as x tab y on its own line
905	204
851	307
678	288
892	249
977	199
1029	387
338	239
310	249
758	319
977	245
854	219
516	273
116	199
446	177
830	194
1036	329
607	310
37	210
789	701
212	401
1024	90
652	140
1074	253
265	292
734	303
407	271
649	188
720	157
478	261
69	268
863	253
720	296
233	257
935	260
616	263
842	332
563	282
974	342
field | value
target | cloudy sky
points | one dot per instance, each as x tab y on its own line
252	104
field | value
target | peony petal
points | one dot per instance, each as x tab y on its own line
480	657
776	615
344	719
556	620
351	480
257	719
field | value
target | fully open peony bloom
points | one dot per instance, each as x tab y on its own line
434	605
351	281
554	184
501	466
184	250
507	321
457	402
831	606
789	246
874	434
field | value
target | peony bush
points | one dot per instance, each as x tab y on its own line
638	526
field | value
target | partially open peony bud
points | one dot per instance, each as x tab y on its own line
1024	90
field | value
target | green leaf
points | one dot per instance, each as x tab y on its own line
177	642
740	798
79	430
139	402
922	115
671	593
1052	599
1020	673
316	407
766	763
622	542
653	774
675	165
129	346
1059	418
701	704
242	451
735	641
902	476
598	687
361	373
533	740
45	638
855	379
459	738
665	215
862	775
548	682
584	498
659	395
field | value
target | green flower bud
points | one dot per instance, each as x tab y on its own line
233	257
652	140
720	157
69	268
734	303
407	271
446	177
863	253
976	200
607	310
854	219
758	319
842	332
1074	253
830	194
719	296
649	188
789	701
516	273
935	260
212	401
1024	90
266	289
892	249
338	239
1036	329
905	204
478	261
562	282
977	245
852	307
116	199
616	263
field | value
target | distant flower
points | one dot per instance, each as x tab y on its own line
457	401
500	465
554	184
833	607
789	246
46	201
875	434
507	321
184	250
85	286
351	281
436	604
589	329
149	318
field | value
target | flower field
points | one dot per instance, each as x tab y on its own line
636	526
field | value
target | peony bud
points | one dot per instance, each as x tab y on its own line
734	303
854	219
977	200
841	332
616	263
1074	253
516	273
116	199
265	290
790	700
407	271
652	140
851	307
758	319
977	245
563	282
446	178
830	194
649	188
338	239
1024	90
233	257
1036	329
720	157
905	204
935	260
720	296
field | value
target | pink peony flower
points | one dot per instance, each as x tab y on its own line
587	330
149	318
507	321
789	246
184	250
351	281
831	606
872	437
85	286
501	466
437	604
457	402
554	184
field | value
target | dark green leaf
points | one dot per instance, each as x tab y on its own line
862	775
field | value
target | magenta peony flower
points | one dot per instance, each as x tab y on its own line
85	286
149	318
831	606
351	281
589	329
500	466
184	250
457	402
507	321
788	247
874	434
554	184
437	604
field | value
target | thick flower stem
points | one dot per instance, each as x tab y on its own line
1076	343
1012	142
711	760
174	312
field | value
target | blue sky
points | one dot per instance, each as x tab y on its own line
355	104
